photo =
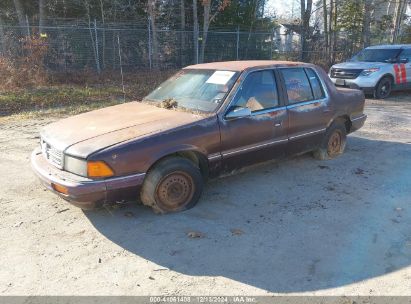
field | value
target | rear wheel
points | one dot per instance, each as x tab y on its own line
383	88
174	184
333	143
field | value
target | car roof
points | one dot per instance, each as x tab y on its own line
390	46
244	65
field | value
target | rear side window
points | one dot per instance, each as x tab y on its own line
297	85
316	86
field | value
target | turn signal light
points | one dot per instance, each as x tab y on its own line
98	169
59	188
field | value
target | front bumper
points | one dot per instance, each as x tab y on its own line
84	192
357	122
365	83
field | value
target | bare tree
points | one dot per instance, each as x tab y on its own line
209	18
195	31
398	18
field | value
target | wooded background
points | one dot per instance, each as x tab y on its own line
160	34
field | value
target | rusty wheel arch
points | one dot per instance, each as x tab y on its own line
197	158
345	119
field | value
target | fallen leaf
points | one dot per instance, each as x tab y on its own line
129	214
236	231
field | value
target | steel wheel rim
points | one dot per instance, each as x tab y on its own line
175	190
334	143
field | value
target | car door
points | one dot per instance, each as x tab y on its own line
261	133
307	107
405	57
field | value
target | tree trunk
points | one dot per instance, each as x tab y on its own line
20	15
41	16
254	17
306	8
398	19
182	28
103	44
206	25
325	21
152	14
335	20
366	39
195	30
2	38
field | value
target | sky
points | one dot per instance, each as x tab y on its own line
282	8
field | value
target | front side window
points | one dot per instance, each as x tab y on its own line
194	89
406	54
297	85
258	91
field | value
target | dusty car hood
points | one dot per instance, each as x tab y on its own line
359	65
86	133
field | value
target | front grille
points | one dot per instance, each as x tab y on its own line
54	156
345	73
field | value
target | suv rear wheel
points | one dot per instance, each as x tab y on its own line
383	88
174	184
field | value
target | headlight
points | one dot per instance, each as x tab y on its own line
75	165
92	169
368	72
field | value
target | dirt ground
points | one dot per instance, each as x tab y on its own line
302	226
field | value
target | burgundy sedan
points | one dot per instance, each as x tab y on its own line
205	120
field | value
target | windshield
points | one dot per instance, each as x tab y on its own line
377	55
202	90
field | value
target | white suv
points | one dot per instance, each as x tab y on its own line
377	70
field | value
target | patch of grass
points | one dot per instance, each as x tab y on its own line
60	96
74	97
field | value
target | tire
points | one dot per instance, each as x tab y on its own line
383	88
174	184
333	143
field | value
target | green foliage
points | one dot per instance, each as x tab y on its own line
350	19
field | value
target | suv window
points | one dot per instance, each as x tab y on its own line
297	85
406	54
316	86
258	91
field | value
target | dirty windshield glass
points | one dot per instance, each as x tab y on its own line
376	55
201	90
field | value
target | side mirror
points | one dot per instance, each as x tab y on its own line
404	60
238	112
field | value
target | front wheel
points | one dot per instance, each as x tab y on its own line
333	143
383	88
174	184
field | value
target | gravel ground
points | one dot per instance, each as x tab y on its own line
301	226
